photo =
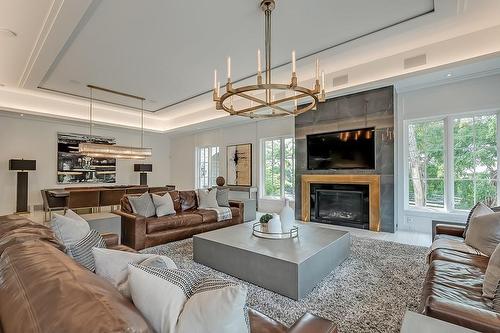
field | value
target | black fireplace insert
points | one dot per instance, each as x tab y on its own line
340	204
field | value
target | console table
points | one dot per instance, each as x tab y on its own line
251	203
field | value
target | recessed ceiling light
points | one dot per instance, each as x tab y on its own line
448	75
7	32
22	114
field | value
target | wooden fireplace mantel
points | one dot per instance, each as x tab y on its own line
373	182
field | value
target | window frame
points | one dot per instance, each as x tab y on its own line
209	164
448	158
262	168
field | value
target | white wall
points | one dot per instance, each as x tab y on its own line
36	138
454	97
183	150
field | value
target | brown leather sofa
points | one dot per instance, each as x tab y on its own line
140	232
453	286
45	291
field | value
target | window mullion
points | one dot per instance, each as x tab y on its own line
449	165
282	167
497	145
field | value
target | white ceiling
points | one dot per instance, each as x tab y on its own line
166	50
15	51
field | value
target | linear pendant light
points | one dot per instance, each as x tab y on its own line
113	151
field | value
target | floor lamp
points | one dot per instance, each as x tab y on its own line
22	166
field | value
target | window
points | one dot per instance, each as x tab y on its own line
426	164
207	162
278	171
452	162
475	161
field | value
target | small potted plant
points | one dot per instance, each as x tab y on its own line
265	218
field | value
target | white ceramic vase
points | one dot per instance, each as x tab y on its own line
274	224
287	217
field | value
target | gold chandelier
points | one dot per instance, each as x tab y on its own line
112	151
293	100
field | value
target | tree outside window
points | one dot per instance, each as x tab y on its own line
472	174
279	168
426	164
475	161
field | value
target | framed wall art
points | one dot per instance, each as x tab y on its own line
239	165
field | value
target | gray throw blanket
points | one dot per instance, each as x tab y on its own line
223	213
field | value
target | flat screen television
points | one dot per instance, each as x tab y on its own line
353	149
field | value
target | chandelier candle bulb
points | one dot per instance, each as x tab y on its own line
259	64
218	89
323	81
215	79
317	69
290	99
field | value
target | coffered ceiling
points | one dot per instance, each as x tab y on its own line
166	50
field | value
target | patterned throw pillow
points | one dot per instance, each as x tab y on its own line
478	210
142	205
82	250
195	302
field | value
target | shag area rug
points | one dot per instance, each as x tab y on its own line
369	292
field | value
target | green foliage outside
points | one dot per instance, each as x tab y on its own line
474	159
276	153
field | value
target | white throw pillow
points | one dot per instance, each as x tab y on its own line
142	205
172	300
492	275
70	228
479	209
216	306
207	199
159	295
484	233
113	265
164	204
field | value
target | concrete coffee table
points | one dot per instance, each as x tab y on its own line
290	267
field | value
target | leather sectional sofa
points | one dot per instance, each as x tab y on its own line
453	286
139	232
44	290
